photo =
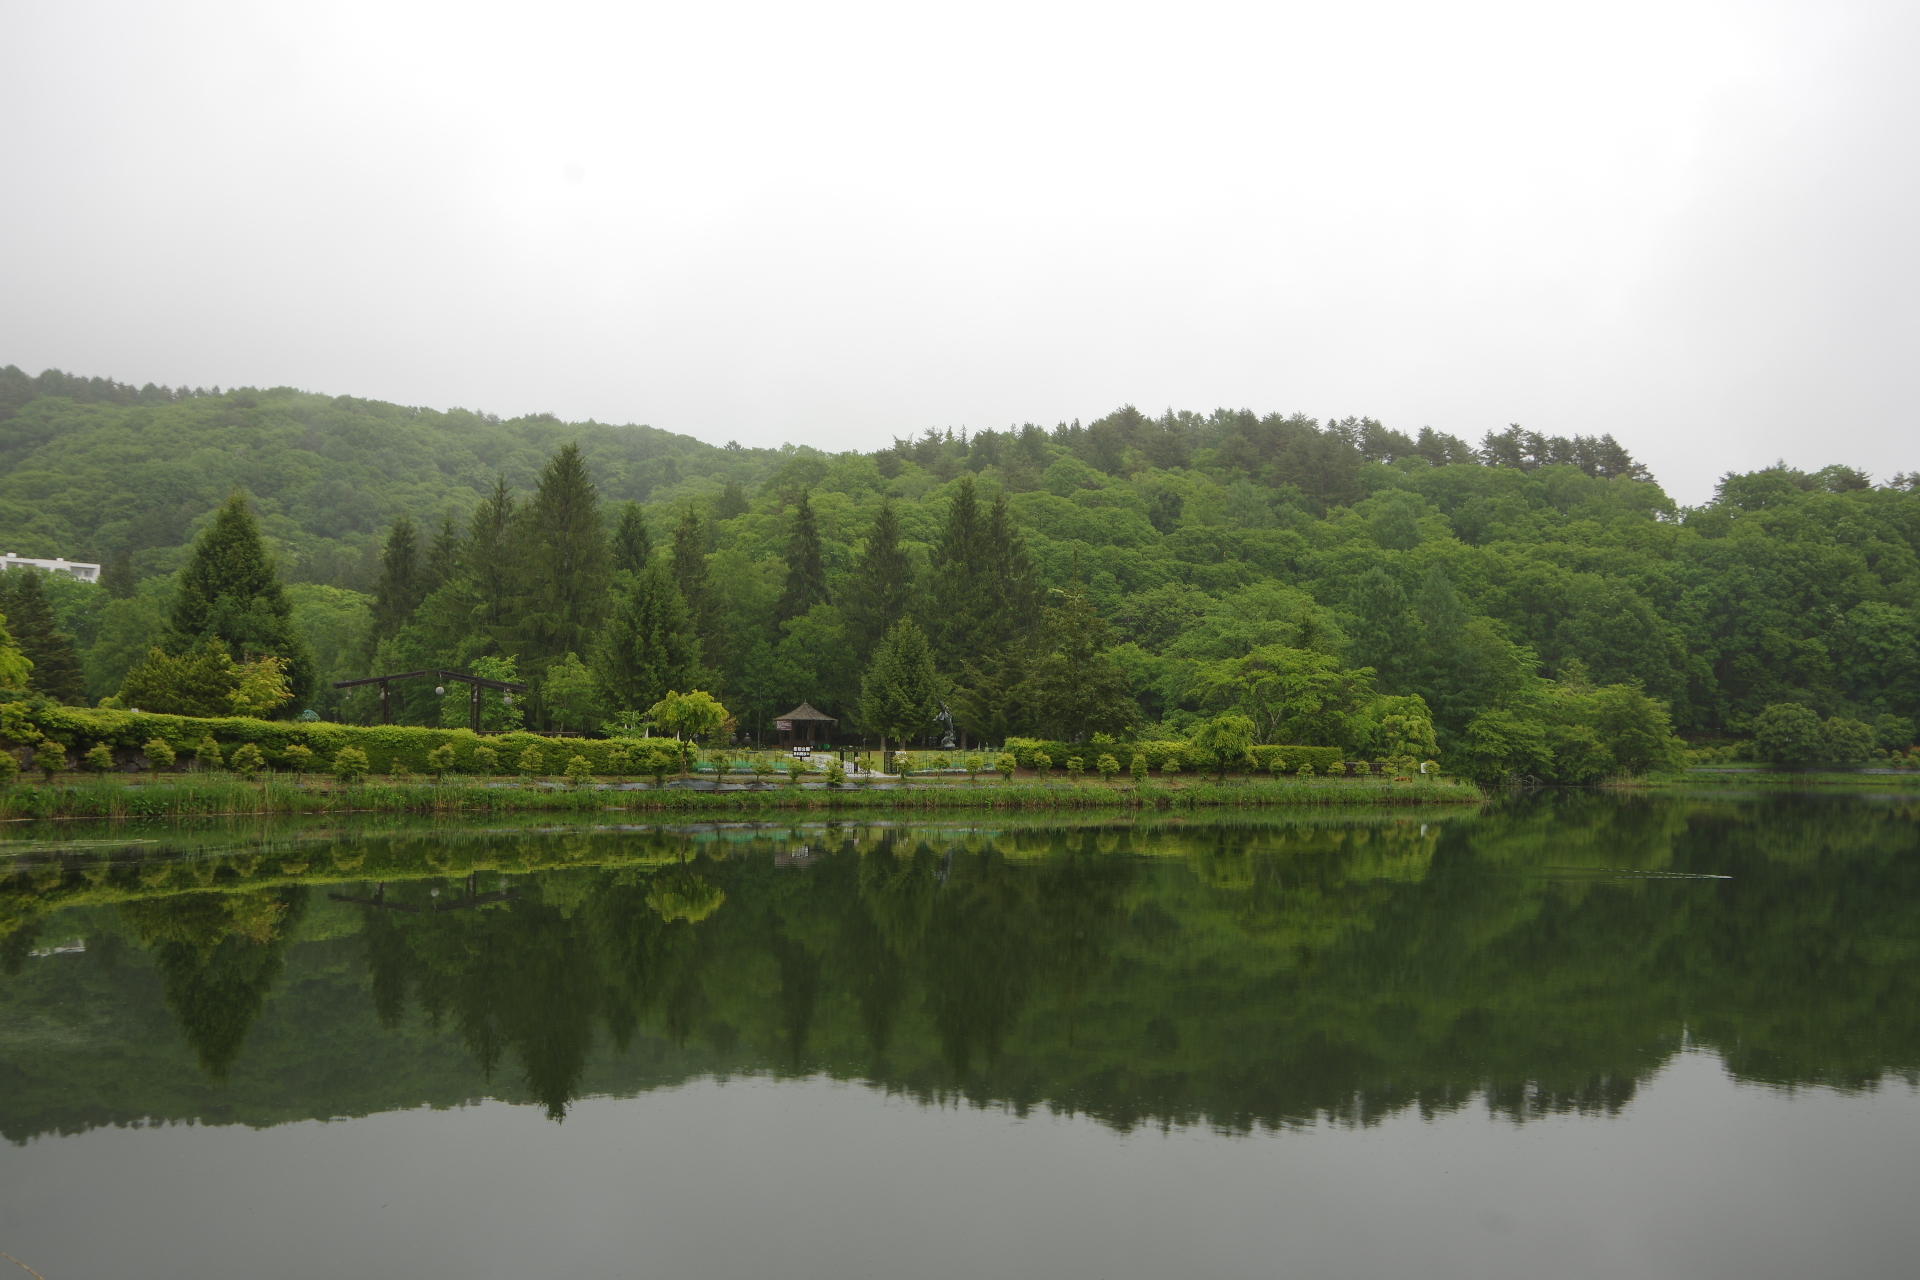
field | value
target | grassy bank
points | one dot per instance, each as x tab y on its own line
210	795
1712	777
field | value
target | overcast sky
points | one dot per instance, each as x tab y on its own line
1690	224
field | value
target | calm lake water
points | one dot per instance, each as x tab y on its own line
1572	1036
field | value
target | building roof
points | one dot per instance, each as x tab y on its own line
805	711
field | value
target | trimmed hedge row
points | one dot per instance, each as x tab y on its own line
1191	758
389	748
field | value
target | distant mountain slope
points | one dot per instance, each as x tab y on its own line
90	468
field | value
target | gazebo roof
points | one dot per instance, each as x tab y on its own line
805	711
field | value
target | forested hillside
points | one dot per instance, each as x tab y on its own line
1532	598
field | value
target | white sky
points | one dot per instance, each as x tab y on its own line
1686	223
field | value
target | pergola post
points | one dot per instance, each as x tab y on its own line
475	685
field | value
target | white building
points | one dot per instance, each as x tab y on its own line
72	568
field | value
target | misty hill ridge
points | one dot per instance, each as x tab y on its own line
90	468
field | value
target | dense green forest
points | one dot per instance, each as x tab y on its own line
1530	603
1242	974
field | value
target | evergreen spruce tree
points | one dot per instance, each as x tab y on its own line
631	546
900	696
984	602
1073	688
881	588
117	577
401	587
487	568
690	575
1012	582
443	558
649	646
56	667
561	564
806	574
229	591
958	602
732	502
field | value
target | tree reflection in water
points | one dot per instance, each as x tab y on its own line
1547	956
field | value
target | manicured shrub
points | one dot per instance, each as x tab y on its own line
24	724
836	774
160	754
486	761
1139	769
1004	764
299	757
248	760
660	762
579	770
1108	766
50	757
206	753
350	765
99	757
532	762
1042	762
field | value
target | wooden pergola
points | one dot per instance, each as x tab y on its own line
803	726
474	683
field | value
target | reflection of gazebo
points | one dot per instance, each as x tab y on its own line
803	726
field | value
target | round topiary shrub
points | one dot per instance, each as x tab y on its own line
160	754
248	760
350	765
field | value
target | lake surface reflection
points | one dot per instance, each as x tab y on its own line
1575	1035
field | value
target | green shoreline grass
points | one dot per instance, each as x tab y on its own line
212	796
1716	779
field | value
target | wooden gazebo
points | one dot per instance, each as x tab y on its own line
804	726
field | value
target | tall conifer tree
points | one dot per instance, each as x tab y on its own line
401	586
806	574
690	575
563	563
649	646
957	597
732	502
56	667
984	606
443	558
1012	584
488	566
631	545
880	591
900	696
229	591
